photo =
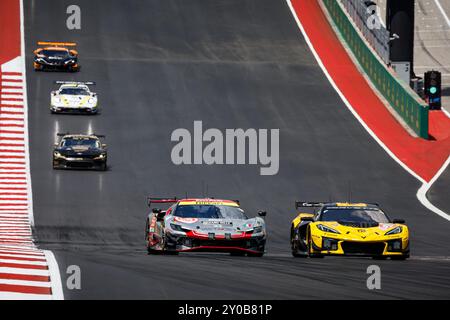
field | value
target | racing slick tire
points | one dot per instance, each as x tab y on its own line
103	167
296	246
55	166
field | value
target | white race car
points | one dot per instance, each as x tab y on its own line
73	97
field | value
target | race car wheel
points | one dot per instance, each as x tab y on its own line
298	249
103	167
168	249
55	165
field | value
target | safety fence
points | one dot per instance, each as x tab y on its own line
365	16
405	102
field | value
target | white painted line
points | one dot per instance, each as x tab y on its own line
12	90
11	121
9	109
55	276
444	14
12	102
14	215
11	96
422	193
34	263
12	197
10	116
445	112
14	235
33	272
12	84
11	77
25	104
23	296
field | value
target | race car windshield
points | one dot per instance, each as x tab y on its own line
71	142
356	215
210	212
55	53
74	91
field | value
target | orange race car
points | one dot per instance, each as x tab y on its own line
59	56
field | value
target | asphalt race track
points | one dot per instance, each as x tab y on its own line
161	64
440	193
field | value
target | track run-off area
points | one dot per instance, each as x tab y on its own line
160	65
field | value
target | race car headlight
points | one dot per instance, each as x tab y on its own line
257	229
58	155
101	156
39	60
56	99
69	61
91	101
323	228
396	230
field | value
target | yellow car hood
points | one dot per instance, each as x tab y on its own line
359	234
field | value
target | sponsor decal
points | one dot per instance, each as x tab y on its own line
228	223
185	220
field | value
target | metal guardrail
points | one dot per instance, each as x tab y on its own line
369	23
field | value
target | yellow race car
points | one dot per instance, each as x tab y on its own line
350	229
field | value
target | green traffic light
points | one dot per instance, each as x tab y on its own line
433	90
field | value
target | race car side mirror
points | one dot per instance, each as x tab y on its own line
104	146
400	221
262	213
56	145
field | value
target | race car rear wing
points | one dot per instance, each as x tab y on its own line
62	134
57	44
304	204
151	200
89	83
